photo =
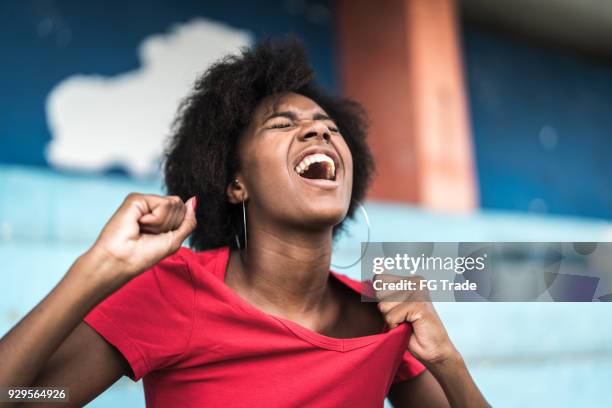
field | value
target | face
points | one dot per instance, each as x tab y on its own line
296	168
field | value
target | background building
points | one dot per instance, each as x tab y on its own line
491	121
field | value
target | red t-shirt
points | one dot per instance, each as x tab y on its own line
197	343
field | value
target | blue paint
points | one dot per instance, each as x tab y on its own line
44	42
516	89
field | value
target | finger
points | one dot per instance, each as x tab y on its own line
153	213
178	214
413	311
404	312
395	317
175	213
152	223
187	225
134	206
148	219
163	215
386	306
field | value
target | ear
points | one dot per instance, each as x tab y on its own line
236	192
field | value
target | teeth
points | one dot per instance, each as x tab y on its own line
316	158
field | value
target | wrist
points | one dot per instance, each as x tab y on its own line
452	374
450	358
100	269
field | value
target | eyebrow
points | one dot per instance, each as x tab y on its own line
291	115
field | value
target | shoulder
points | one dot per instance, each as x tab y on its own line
198	263
177	273
187	256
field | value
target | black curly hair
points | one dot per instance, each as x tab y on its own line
201	157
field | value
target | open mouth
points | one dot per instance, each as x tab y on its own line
317	166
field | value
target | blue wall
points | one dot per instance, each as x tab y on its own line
520	354
44	42
542	123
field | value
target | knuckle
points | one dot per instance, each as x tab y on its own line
390	319
384	306
175	199
132	196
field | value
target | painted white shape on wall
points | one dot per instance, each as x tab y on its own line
97	122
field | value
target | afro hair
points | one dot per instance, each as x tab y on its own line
201	156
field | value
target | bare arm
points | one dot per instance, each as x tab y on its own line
448	381
51	345
445	384
422	391
29	345
85	363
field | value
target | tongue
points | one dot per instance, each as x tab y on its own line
316	171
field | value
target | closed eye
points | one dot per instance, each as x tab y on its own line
279	125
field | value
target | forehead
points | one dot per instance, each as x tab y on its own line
293	102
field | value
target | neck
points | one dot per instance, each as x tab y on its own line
285	270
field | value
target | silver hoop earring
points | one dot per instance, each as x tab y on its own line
244	223
363	252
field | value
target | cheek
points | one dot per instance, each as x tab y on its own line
349	167
272	157
265	166
347	159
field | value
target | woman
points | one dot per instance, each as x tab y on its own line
250	315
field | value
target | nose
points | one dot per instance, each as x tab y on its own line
316	129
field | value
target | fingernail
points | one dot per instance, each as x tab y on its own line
194	203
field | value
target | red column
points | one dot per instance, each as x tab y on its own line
401	59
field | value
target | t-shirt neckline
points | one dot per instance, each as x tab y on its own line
315	338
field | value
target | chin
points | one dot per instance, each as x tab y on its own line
327	216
